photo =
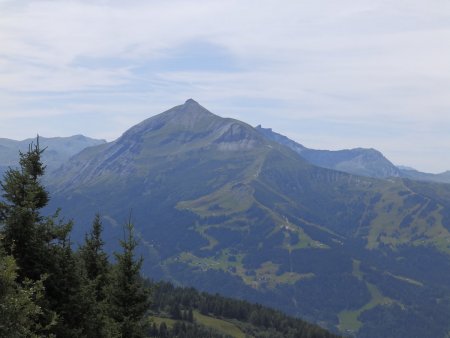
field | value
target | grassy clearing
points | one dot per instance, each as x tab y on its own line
219	325
158	320
304	241
232	198
267	275
264	277
212	242
348	319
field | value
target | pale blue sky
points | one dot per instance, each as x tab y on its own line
329	74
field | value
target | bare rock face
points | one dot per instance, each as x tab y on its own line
237	136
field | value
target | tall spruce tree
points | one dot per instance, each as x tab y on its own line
95	260
64	291
97	275
129	299
32	239
27	235
19	214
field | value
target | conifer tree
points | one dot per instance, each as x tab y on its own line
175	311
94	259
190	316
96	270
65	293
163	331
19	311
129	301
27	235
32	239
23	197
154	330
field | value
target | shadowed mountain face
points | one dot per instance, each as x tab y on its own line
223	208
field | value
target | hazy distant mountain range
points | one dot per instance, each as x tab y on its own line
59	149
359	161
230	208
420	176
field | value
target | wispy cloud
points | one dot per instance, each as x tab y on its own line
356	73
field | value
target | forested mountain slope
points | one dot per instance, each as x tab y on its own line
220	207
49	289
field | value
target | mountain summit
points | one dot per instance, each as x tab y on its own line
189	115
185	130
191	124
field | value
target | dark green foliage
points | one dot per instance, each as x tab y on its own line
64	294
27	235
163	332
41	247
97	274
175	312
35	242
19	311
128	298
190	316
94	259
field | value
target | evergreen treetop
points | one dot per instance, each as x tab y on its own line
129	300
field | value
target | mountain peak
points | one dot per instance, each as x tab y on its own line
190	107
191	101
188	116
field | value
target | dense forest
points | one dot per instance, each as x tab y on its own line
49	289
